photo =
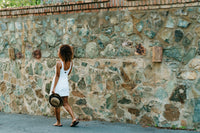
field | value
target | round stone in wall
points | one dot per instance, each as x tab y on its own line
92	50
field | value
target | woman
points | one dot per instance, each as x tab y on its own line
60	84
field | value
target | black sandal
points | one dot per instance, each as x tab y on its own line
74	123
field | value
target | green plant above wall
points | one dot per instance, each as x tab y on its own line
18	3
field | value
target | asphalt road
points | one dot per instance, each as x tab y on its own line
18	123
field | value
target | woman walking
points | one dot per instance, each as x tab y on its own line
60	84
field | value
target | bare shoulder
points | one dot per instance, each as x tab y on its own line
58	64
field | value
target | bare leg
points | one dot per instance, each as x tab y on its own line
57	112
68	108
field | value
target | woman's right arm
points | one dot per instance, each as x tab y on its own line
58	66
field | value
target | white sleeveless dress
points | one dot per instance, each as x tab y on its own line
62	87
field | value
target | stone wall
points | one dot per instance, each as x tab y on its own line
55	7
111	79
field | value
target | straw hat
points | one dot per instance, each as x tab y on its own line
55	100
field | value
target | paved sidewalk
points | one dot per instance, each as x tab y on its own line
18	123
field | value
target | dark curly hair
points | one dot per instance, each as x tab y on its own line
65	53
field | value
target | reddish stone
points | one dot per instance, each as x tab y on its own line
37	54
78	94
140	50
128	86
19	55
146	121
136	112
171	112
109	85
39	94
3	87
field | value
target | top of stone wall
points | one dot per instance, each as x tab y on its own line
73	6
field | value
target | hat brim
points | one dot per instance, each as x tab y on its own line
55	96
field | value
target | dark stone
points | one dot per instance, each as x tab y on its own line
87	111
107	63
48	87
146	121
81	102
84	64
92	37
178	35
147	108
113	35
113	68
79	52
81	84
111	102
100	44
171	112
74	78
179	94
135	112
189	55
124	101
